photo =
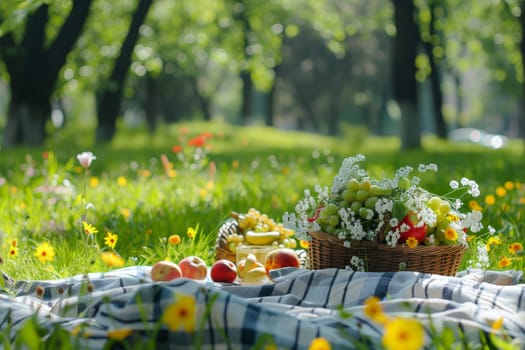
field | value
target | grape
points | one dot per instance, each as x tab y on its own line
331	209
333	220
329	229
444	207
361	195
353	185
349	195
323	214
322	220
434	203
371	202
365	185
345	204
363	212
375	190
355	206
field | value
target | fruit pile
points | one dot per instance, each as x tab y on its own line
259	229
249	270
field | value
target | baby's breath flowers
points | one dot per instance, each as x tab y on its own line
392	211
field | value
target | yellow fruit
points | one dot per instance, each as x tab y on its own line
261	238
255	275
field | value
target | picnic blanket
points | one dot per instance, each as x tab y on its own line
300	306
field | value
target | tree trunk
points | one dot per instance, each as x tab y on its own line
110	98
245	74
269	111
522	51
246	103
33	71
151	104
435	82
333	125
404	73
459	100
204	102
26	122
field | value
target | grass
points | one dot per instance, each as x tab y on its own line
143	199
143	192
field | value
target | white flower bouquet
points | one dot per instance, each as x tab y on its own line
359	212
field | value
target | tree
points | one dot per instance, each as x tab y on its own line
110	97
404	72
434	51
33	63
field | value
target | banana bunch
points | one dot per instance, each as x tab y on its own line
256	228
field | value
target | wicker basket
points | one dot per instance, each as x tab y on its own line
230	227
327	251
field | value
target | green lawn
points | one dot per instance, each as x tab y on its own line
141	190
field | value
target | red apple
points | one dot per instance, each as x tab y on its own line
281	257
223	270
193	267
165	271
419	232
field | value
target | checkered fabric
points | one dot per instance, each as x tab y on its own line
299	306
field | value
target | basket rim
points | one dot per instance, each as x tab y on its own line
456	248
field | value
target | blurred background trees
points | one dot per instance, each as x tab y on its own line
402	68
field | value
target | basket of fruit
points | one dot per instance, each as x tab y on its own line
387	224
253	229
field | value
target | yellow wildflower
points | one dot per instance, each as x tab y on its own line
13	252
490	199
450	234
122	181
111	259
495	240
111	239
125	212
374	310
93	181
88	228
497	324
474	205
45	252
119	334
174	239
501	191
180	314
412	242
320	344
515	247
191	232
509	185
504	262
403	334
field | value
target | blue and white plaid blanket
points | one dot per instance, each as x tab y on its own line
300	306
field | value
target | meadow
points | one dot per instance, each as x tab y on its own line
147	197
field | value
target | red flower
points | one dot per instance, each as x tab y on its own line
206	135
196	141
176	148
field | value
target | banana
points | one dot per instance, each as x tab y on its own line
261	238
